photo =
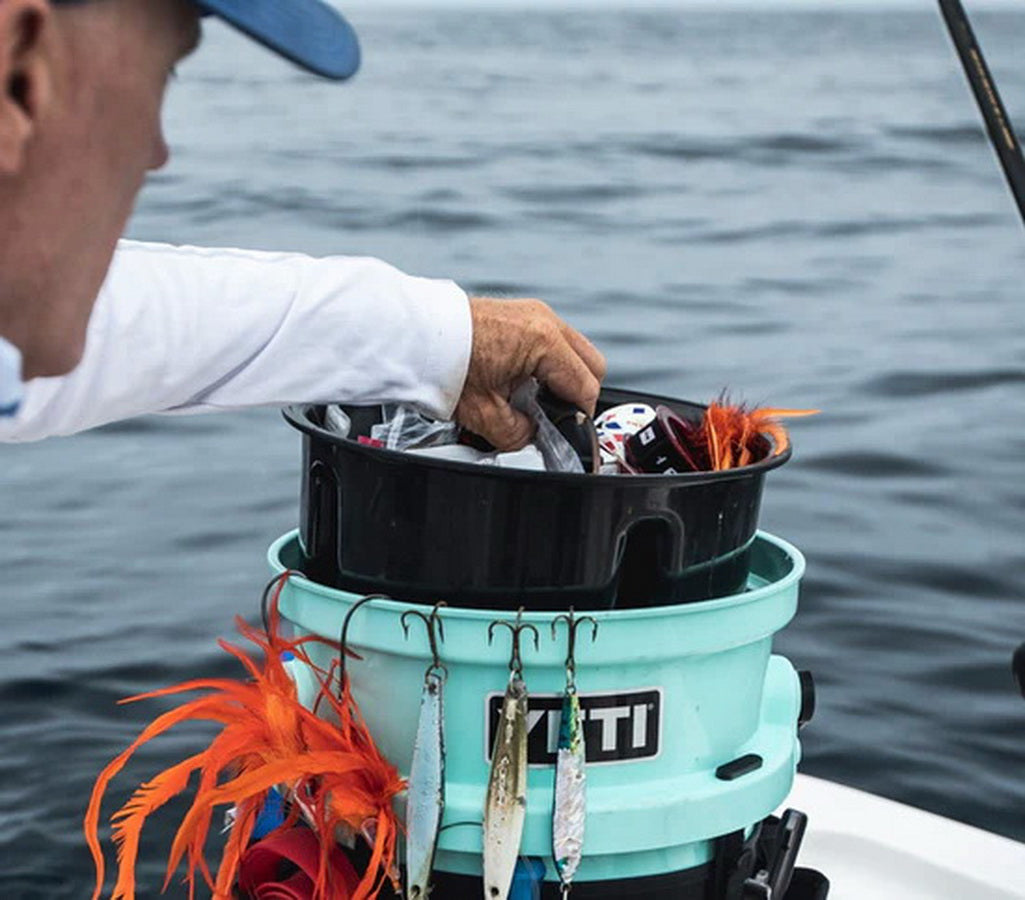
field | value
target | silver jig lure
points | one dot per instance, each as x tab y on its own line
570	809
505	808
426	797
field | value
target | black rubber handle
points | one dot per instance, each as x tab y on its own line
573	424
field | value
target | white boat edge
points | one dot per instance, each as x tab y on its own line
870	847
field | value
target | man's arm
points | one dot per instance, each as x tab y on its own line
186	329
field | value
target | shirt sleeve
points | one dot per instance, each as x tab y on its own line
189	329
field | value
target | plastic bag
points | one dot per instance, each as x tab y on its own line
405	427
558	455
337	420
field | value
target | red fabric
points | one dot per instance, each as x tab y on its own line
259	876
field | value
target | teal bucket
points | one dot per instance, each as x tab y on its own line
672	695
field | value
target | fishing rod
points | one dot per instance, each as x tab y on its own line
998	124
1005	142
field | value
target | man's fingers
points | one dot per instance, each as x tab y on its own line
507	428
495	420
591	355
565	372
512	340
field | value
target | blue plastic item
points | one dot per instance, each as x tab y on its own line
691	723
271	816
527	879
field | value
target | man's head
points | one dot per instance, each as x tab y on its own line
81	90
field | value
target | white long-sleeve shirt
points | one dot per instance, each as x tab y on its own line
190	329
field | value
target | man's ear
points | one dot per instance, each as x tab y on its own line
26	79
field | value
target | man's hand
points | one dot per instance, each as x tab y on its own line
512	341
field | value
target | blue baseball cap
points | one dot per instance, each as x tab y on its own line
308	32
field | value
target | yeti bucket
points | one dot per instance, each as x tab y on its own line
690	721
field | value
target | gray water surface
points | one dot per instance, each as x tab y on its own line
798	207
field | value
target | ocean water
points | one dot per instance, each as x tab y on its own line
799	207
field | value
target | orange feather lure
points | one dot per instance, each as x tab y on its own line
333	770
731	433
729	436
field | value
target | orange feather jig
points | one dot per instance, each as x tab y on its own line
332	770
731	433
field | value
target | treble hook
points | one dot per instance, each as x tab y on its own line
515	661
572	624
435	629
345	633
265	597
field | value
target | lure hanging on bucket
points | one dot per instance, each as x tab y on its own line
335	773
570	809
505	808
427	772
506	805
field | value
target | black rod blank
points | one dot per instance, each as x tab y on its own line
998	125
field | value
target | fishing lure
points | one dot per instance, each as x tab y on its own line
732	434
426	802
335	773
505	808
570	807
726	437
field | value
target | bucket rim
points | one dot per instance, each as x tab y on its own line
298	416
790	579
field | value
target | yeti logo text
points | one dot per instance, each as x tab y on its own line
617	727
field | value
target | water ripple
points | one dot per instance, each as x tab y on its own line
944	135
873	464
912	383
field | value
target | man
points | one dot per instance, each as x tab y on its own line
186	329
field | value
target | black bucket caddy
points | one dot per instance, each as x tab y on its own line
419	529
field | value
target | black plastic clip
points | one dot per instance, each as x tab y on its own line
773	881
